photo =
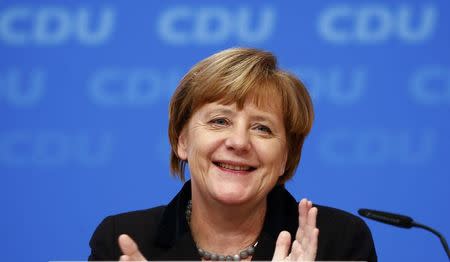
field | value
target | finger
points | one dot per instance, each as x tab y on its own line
130	249
302	218
124	258
302	211
309	230
282	246
312	217
311	249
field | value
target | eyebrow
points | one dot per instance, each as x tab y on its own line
224	110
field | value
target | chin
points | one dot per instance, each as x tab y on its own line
231	200
231	195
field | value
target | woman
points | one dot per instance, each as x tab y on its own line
239	123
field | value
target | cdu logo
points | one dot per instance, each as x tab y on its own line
20	89
43	148
372	24
131	87
430	85
51	25
378	146
183	25
335	85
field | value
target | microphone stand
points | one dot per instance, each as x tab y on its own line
401	221
439	235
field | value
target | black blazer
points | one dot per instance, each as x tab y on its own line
162	233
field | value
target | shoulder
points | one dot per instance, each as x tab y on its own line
329	216
140	225
344	235
336	224
137	219
133	223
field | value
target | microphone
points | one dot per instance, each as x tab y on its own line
388	218
401	221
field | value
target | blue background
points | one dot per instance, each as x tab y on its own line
85	86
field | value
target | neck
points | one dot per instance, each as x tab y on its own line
226	229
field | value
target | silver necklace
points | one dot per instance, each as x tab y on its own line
243	254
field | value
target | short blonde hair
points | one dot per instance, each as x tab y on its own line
233	76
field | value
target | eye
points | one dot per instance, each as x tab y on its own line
263	129
219	121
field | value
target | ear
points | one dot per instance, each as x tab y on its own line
182	145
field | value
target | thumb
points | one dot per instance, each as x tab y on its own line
130	249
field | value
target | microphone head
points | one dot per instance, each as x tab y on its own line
388	218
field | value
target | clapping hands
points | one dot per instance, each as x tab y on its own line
303	248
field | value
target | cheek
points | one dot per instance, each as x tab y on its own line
284	159
274	156
202	149
197	162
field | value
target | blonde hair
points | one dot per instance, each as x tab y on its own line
233	76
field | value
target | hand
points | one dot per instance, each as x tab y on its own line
304	247
129	249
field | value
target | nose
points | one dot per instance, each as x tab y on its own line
238	139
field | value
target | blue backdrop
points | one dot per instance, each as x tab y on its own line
85	85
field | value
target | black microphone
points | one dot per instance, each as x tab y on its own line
388	218
401	221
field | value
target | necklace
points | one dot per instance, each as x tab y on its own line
243	254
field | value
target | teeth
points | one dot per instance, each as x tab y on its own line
237	168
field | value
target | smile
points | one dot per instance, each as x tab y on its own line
234	167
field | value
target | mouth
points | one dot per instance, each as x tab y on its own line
236	168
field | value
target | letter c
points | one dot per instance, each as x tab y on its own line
14	148
167	25
98	87
327	24
8	32
431	86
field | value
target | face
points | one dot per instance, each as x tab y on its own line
235	156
